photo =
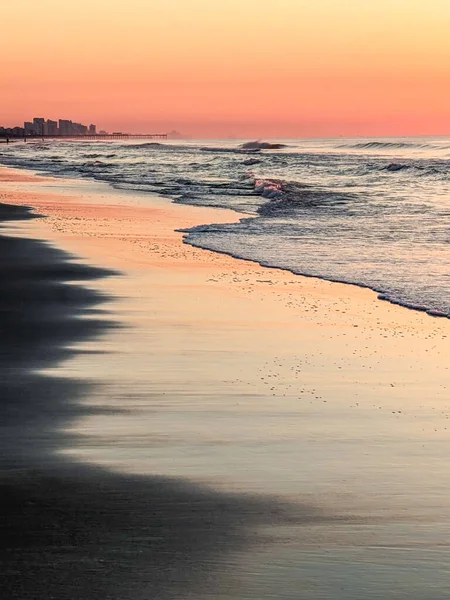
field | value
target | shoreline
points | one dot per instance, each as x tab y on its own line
82	222
253	383
233	217
218	215
381	294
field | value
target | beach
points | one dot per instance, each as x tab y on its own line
182	424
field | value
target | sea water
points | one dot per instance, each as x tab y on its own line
370	212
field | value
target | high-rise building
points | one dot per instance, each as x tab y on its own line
65	127
79	129
39	125
51	127
28	128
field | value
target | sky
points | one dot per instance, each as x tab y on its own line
229	68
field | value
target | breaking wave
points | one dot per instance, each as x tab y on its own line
384	145
262	146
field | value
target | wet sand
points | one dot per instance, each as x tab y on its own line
182	424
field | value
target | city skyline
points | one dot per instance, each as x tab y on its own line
65	128
40	126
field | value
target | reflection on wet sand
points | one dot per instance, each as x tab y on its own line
266	436
78	532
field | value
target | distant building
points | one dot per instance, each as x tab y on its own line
12	131
39	126
79	129
65	127
175	135
102	132
18	131
51	127
28	128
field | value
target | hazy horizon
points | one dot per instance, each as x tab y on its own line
289	69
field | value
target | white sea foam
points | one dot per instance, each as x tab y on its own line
374	213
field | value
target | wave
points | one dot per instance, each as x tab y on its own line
412	306
246	148
152	146
288	198
251	161
95	163
269	188
440	169
97	155
222	150
393	167
186	148
262	146
190	237
384	145
287	195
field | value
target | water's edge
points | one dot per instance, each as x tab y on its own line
382	294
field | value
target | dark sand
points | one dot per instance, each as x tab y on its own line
77	532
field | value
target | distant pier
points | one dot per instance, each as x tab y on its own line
89	136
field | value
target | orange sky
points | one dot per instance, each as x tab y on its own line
246	68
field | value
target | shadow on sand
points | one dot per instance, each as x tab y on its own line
78	532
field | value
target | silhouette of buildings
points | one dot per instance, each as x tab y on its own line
66	128
39	126
175	135
6	132
69	128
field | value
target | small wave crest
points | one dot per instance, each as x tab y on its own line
97	155
383	145
287	197
251	161
268	188
152	146
256	145
392	167
425	169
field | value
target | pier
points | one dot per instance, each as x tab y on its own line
88	136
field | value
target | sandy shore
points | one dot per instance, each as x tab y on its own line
229	431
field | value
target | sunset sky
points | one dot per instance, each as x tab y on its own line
281	68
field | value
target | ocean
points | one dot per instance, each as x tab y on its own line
369	212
